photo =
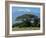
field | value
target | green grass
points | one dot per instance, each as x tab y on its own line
25	28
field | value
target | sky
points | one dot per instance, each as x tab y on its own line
18	11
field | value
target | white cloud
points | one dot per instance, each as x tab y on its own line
28	10
25	10
20	10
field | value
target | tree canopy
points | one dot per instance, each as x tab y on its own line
25	16
26	21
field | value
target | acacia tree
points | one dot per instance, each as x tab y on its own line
26	18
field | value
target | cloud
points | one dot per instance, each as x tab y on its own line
20	9
28	10
24	10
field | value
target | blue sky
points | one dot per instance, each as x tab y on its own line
18	11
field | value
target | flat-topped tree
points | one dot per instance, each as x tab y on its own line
25	17
26	20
